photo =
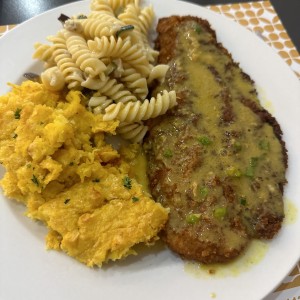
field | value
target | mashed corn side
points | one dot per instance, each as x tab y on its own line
59	165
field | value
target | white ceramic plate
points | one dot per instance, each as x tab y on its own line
28	271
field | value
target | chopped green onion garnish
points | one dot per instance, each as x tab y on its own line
204	140
252	166
193	218
237	146
203	191
243	201
67	201
253	161
198	28
220	212
168	153
233	172
96	180
249	172
264	145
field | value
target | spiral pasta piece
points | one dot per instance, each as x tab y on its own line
93	27
111	89
133	132
45	53
136	83
116	92
73	25
158	73
122	48
137	111
105	17
84	58
93	83
130	16
102	6
53	79
98	104
146	18
72	74
114	4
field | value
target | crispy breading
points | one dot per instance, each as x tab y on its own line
217	160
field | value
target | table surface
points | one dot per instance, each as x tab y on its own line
17	11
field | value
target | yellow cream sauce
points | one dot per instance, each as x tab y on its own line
255	254
238	146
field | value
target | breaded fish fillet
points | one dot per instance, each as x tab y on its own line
217	159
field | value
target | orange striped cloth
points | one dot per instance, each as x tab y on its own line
261	18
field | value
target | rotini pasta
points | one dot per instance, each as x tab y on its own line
138	111
158	73
146	18
53	79
45	53
102	6
83	57
130	16
133	132
72	74
111	89
122	48
114	4
108	52
94	27
98	104
135	82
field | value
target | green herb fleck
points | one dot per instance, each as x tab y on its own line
124	28
71	163
253	162
252	166
81	17
168	153
17	113
204	140
233	172
35	180
127	182
198	28
203	191
135	199
264	145
96	180
237	146
220	212
249	172
193	218
243	201
67	201
15	136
